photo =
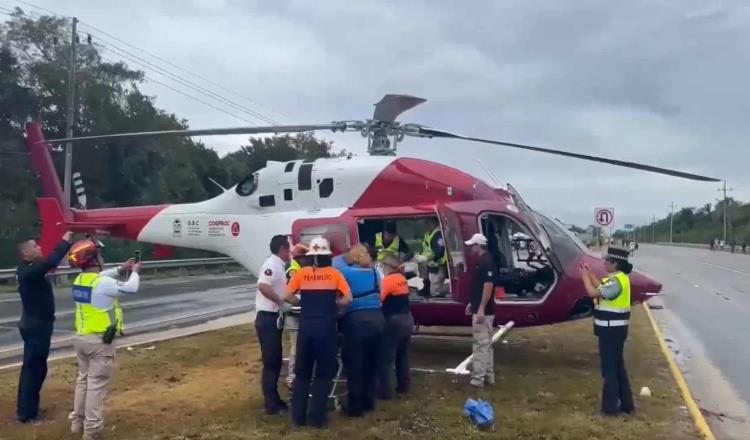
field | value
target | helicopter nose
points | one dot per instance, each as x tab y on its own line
643	286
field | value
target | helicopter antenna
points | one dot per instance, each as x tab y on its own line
217	184
489	173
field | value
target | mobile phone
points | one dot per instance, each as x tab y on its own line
137	256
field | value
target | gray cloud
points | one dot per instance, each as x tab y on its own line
656	82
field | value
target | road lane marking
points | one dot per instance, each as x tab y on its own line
727	268
9	300
700	421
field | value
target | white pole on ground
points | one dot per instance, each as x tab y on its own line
461	368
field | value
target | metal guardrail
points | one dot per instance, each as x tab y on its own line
10	274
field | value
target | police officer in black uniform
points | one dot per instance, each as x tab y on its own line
37	321
611	322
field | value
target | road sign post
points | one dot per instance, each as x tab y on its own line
605	217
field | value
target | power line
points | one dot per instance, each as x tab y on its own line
174	77
159	70
37	7
187	95
151	79
188	71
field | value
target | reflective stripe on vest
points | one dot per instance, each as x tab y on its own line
611	323
428	252
294	266
385	250
616	312
92	320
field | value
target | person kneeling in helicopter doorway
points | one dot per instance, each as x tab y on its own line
362	326
399	325
99	319
321	289
611	319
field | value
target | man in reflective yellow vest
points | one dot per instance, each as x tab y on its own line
291	319
611	320
99	319
435	257
389	242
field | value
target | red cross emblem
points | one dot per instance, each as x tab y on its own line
316	248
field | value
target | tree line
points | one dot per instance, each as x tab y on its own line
701	224
34	55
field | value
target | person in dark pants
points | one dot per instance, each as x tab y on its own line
362	326
399	325
611	320
268	302
37	321
321	289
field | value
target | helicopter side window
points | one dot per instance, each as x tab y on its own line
304	178
248	185
337	235
266	201
325	188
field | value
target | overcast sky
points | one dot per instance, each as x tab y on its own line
665	83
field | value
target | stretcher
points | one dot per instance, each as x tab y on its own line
336	394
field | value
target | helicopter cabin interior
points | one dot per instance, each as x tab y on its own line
513	250
527	272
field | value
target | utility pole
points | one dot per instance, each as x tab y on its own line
70	114
671	217
724	189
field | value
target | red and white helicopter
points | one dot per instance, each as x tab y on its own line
346	199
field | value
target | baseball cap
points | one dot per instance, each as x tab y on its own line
477	239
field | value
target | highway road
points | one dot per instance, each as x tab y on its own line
160	304
706	320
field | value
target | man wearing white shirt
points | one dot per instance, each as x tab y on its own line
268	300
99	319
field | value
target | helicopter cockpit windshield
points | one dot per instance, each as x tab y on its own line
248	185
524	268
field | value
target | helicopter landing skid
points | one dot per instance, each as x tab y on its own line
501	332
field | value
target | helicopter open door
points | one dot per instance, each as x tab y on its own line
535	227
452	228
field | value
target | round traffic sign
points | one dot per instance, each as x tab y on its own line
604	216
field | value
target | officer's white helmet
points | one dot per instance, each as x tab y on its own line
319	246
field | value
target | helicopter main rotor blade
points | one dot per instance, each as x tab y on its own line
388	108
444	134
275	129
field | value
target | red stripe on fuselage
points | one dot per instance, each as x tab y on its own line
127	222
411	182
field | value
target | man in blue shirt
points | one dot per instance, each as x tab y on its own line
362	326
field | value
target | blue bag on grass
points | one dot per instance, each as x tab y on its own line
480	412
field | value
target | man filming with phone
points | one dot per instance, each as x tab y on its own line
99	319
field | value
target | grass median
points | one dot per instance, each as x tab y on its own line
207	387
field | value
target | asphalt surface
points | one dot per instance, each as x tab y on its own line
159	304
706	318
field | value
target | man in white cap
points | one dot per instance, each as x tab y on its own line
482	312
